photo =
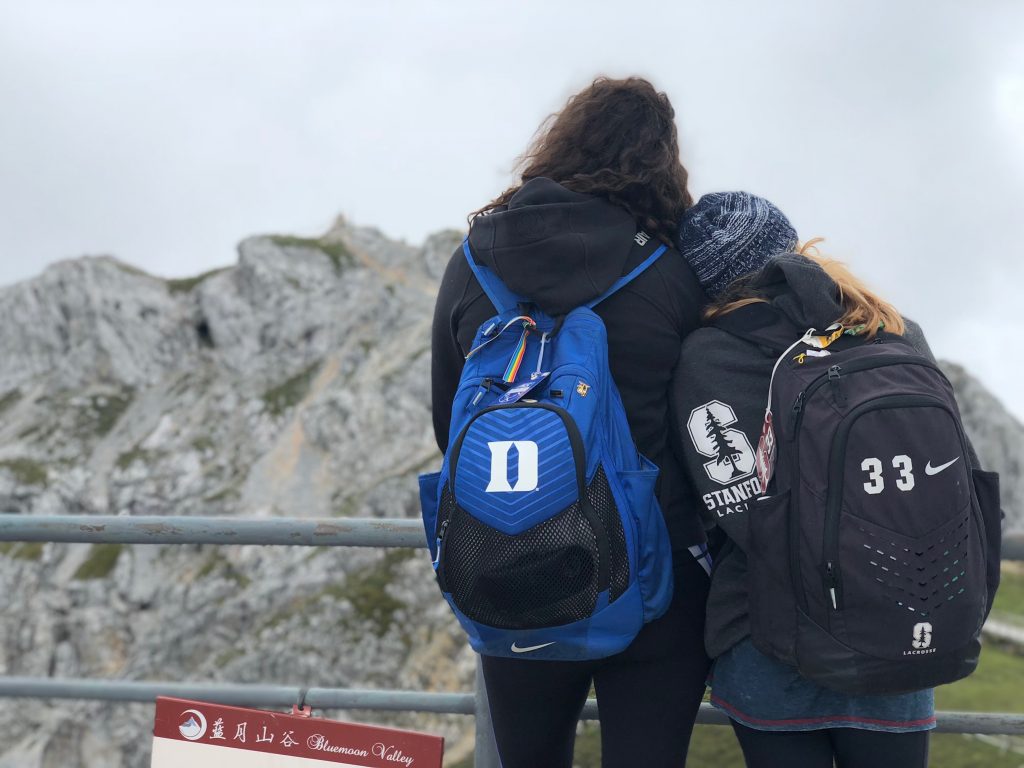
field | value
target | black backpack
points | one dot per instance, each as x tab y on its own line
874	553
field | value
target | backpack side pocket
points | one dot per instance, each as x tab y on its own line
653	550
772	602
428	507
986	486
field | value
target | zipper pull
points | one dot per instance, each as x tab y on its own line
833	584
437	543
485	387
794	415
540	355
834	380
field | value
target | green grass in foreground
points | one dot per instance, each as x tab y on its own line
998	680
996	686
1009	604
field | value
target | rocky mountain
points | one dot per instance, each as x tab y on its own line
997	437
294	383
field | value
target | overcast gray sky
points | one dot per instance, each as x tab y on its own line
164	133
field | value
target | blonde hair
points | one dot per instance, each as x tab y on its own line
864	311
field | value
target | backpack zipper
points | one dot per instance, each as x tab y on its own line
438	571
833	577
794	414
835	380
835	372
863	364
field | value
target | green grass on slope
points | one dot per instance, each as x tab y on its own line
715	747
996	686
1009	603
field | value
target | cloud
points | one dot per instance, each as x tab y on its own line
165	132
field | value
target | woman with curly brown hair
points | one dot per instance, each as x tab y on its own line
602	176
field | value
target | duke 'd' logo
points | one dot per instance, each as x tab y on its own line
527	465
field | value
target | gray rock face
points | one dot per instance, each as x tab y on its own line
997	437
293	383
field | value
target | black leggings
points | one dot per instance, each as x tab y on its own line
848	747
648	694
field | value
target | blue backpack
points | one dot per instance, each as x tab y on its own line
546	536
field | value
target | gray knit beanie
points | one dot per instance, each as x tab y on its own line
730	234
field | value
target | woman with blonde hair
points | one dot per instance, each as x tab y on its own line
766	287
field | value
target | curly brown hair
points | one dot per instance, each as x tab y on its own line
615	139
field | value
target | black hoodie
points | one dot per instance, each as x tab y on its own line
717	366
561	249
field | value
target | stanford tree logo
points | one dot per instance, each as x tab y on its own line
710	428
922	635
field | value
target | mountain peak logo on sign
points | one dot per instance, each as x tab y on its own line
528	479
732	456
194	726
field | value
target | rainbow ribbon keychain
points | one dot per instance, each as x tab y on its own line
520	351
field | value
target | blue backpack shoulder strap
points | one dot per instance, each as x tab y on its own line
501	297
626	279
504	299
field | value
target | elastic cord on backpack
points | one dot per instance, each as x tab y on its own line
808	334
507	325
540	355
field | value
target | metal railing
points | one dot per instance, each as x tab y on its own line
327	532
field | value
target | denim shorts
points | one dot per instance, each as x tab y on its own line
766	694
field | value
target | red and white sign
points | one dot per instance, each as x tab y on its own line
199	735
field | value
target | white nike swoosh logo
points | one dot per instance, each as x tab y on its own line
517	649
930	470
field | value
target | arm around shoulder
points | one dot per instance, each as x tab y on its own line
446	358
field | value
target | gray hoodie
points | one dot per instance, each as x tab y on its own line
723	379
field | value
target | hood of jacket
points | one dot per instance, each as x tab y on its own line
557	247
801	290
800	295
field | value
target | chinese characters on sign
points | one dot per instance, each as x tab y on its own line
200	735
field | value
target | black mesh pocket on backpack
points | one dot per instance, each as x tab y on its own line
545	576
445	508
599	494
